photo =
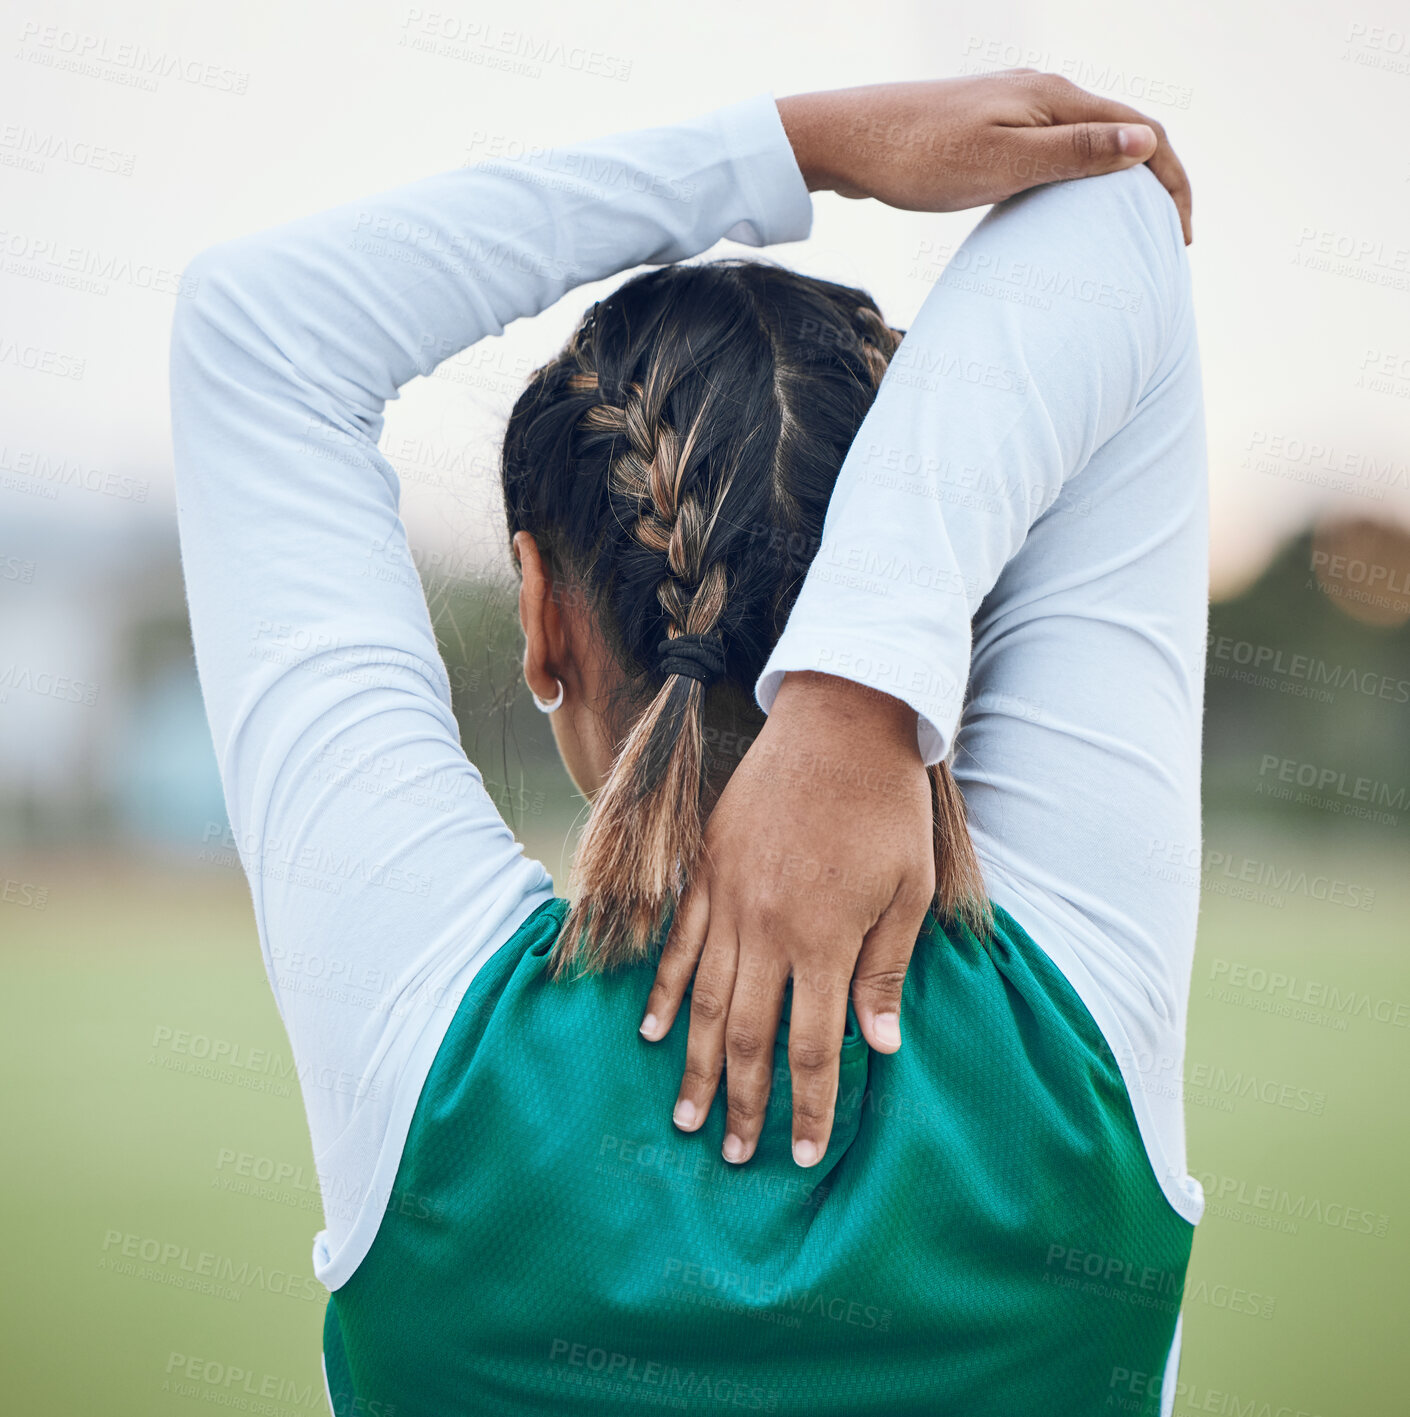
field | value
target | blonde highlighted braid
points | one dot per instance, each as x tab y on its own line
645	832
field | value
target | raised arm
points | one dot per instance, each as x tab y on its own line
1049	325
381	872
1062	312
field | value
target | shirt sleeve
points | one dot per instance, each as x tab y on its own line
1018	547
381	873
1034	347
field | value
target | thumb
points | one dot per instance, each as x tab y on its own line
1089	149
881	974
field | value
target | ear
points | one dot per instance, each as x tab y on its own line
545	645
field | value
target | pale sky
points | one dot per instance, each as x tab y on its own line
1290	118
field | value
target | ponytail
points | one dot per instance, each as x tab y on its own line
643	837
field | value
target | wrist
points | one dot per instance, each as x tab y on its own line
805	119
873	716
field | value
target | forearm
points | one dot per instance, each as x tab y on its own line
1032	350
375	855
370	294
282	364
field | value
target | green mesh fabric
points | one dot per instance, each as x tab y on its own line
985	1234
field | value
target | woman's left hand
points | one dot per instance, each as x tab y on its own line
821	868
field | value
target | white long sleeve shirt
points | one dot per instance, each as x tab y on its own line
1015	547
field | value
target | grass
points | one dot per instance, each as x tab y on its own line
117	1142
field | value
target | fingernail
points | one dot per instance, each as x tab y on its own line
649	1025
805	1153
734	1149
887	1028
1133	140
684	1115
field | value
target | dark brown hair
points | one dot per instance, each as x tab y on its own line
675	462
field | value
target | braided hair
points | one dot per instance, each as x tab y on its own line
675	461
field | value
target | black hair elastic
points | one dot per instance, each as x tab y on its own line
699	657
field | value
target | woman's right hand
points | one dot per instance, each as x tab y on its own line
947	144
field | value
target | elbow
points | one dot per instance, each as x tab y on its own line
207	289
1152	207
228	319
1137	262
221	349
213	288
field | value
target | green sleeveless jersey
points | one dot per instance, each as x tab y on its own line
984	1237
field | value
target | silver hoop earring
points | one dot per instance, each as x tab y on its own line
549	705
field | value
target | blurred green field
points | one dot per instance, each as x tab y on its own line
120	1149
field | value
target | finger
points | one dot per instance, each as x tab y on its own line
816	1027
705	1043
750	1035
1071	150
679	957
1171	172
881	975
1090	149
1168	169
1067	105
